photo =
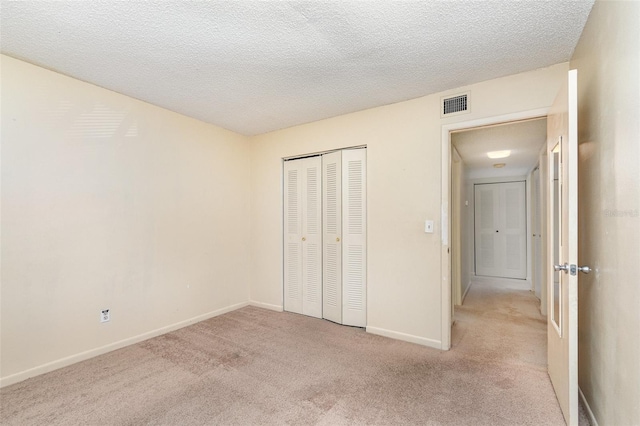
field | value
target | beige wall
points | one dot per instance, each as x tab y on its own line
108	202
404	182
608	61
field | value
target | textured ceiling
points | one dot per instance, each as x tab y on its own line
257	66
524	139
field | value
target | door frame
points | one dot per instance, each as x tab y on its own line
445	206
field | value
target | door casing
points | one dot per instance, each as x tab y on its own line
445	203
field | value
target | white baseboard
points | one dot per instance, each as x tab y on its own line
592	418
406	337
277	308
64	362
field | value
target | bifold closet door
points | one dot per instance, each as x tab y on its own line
303	236
501	230
344	237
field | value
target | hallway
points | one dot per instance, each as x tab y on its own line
500	326
500	320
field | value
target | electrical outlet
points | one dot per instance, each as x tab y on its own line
428	226
105	315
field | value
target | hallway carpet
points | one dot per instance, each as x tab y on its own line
254	366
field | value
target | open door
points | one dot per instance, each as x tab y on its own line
562	326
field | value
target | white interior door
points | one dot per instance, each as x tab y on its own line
501	230
292	237
486	237
303	236
332	244
312	237
354	237
562	332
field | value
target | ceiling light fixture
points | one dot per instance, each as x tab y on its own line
499	165
499	154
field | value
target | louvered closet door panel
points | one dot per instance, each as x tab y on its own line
354	237
332	236
514	224
293	236
312	236
486	224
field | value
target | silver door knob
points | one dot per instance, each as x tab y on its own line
584	269
559	268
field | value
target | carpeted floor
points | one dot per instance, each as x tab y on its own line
254	366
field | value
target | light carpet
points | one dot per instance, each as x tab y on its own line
254	366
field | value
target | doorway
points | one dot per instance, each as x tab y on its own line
474	174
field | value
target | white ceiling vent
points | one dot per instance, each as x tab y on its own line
453	105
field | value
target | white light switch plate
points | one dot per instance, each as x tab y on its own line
428	226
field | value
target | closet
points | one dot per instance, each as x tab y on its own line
501	230
325	237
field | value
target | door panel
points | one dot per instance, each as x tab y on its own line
303	237
562	329
354	246
293	237
312	237
332	225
